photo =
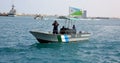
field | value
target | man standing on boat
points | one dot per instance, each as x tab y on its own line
55	28
74	29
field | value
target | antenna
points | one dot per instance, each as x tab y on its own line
12	1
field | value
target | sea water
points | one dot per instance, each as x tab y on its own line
17	45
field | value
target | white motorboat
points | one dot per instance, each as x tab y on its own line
45	37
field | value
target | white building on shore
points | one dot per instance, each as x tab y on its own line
84	15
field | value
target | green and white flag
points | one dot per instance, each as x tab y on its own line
75	11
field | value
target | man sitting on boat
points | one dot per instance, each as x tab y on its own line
55	28
62	30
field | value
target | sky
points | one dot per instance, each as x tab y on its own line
95	8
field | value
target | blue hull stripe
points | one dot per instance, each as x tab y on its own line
66	38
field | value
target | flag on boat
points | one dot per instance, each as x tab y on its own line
75	11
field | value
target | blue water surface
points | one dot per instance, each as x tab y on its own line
17	45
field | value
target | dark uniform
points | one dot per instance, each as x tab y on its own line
55	28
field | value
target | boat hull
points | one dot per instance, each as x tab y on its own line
45	37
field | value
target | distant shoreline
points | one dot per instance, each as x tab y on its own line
5	14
